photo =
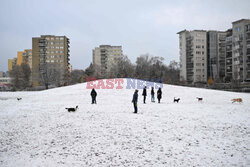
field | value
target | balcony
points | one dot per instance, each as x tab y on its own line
248	30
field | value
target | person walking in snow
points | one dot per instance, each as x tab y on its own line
144	94
159	94
93	95
152	95
134	100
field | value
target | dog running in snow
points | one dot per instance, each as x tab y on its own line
239	100
72	109
19	99
176	100
199	98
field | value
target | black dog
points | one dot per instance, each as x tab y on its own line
176	100
72	109
199	98
19	99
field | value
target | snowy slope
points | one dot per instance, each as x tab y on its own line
38	131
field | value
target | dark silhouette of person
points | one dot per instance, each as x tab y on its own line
134	100
144	94
159	94
93	95
152	95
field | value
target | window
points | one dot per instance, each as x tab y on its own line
203	47
61	47
237	29
61	38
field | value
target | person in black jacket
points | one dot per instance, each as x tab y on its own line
134	100
152	95
159	94
93	95
144	94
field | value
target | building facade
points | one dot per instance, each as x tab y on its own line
22	57
50	56
216	53
11	63
241	50
193	56
228	72
105	56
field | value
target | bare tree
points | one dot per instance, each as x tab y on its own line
49	75
75	76
26	74
17	77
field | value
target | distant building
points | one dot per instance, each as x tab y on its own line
228	72
105	56
50	52
11	63
27	54
241	50
193	56
216	53
1	74
22	57
5	81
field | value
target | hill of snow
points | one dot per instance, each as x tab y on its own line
38	131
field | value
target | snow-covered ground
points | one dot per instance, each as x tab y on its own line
38	131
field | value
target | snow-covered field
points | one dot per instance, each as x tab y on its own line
38	131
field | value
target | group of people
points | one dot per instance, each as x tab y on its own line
135	96
144	94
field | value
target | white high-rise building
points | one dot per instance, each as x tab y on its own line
105	56
193	56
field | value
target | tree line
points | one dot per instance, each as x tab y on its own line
146	67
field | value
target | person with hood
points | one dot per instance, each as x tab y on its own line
134	100
152	95
93	95
144	94
159	94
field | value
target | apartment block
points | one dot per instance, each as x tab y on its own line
27	57
241	50
105	56
50	53
193	56
228	72
11	63
216	54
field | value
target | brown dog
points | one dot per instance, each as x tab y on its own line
239	100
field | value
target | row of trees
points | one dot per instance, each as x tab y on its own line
146	67
20	76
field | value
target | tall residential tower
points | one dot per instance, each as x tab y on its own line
105	56
193	56
50	54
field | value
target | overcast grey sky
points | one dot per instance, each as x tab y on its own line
140	26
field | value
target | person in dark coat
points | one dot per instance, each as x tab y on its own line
134	100
152	95
159	94
93	95
144	94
